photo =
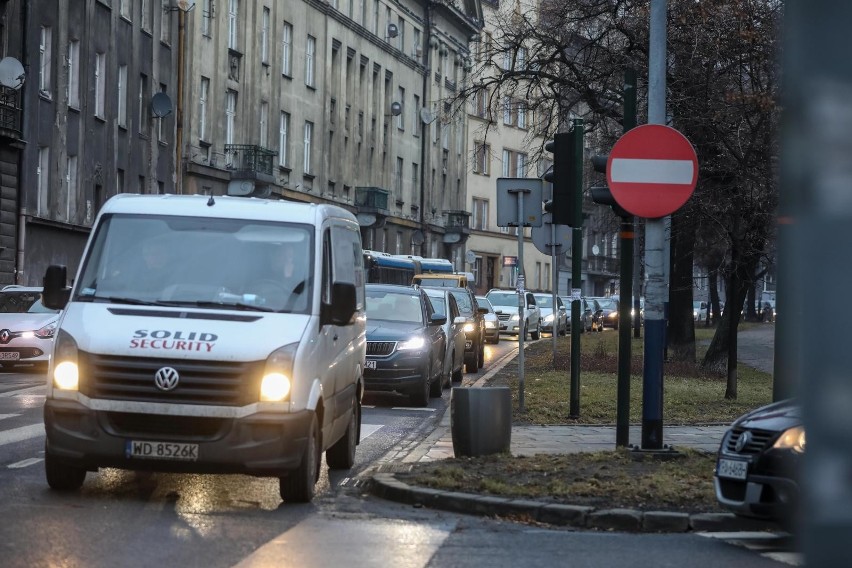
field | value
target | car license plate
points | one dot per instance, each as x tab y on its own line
370	364
10	355
732	469
161	450
468	344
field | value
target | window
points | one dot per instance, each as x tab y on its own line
416	118
145	16
124	8
286	49
481	103
43	177
521	165
522	58
119	181
507	61
100	84
264	119
538	276
160	120
400	118
309	134
202	108
400	26
71	186
206	15
230	115
548	281
507	110
143	103
264	37
481	158
141	188
398	242
74	74
514	164
45	64
233	12
166	27
122	96
415	180
310	53
521	114
283	140
397	177
479	218
376	17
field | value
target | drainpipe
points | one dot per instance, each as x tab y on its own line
22	219
424	139
179	104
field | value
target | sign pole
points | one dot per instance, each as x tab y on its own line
521	296
576	269
553	272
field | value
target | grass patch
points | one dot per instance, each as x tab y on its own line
691	395
617	478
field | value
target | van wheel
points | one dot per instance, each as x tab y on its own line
421	398
299	485
471	363
436	387
61	476
342	454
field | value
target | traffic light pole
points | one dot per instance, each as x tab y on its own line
520	285
576	263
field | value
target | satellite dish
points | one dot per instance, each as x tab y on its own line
417	238
596	250
161	105
12	73
426	116
393	31
470	257
396	108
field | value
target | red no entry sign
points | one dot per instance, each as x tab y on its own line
652	171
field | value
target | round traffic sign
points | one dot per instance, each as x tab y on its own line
652	171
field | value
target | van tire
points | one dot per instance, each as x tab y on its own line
436	387
470	363
61	476
342	454
299	486
536	335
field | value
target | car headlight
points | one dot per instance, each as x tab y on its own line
612	315
490	324
515	317
548	318
66	374
792	439
412	344
47	331
468	327
276	383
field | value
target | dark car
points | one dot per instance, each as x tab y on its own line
405	343
758	463
474	329
608	308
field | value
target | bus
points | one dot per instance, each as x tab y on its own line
430	265
384	268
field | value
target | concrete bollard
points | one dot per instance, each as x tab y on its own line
481	420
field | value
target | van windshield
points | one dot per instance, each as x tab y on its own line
199	261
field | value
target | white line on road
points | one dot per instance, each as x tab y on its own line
25	463
412	408
2	416
29	390
368	430
21	434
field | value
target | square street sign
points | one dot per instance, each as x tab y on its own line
507	201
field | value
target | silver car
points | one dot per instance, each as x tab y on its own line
551	320
492	322
445	304
26	328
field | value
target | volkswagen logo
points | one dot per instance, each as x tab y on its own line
166	379
5	336
742	441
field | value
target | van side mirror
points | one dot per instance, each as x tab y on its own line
56	294
344	303
438	319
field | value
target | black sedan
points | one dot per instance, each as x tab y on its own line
758	463
405	343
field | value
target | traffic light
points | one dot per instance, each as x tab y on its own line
601	194
566	206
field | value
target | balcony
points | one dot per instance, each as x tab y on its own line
249	162
10	113
372	205
456	226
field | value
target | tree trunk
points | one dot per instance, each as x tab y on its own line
681	324
714	312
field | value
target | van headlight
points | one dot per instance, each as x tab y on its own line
277	376
66	374
792	439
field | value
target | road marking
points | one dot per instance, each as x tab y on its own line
29	390
21	434
412	408
772	545
368	430
2	416
25	463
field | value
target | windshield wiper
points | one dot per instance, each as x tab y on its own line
213	304
122	300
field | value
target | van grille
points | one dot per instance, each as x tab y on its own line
223	383
380	348
167	427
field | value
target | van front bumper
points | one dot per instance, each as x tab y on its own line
267	444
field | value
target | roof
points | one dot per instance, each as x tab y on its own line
396	288
224	207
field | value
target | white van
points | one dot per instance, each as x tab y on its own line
228	361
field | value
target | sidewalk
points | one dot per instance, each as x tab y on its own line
756	345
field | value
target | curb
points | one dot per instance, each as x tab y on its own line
387	486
